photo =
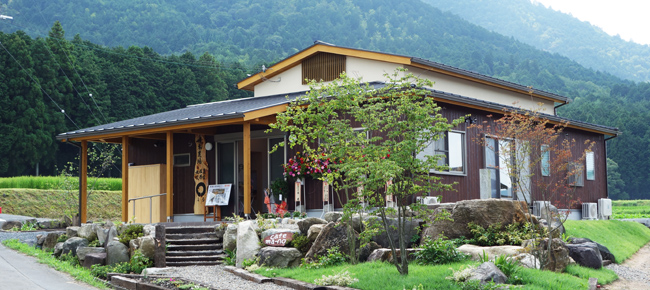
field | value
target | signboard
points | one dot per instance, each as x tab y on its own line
326	191
297	190
279	239
218	194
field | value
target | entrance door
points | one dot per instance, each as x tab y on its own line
226	169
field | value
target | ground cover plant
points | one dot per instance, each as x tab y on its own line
40	203
51	182
629	209
622	238
79	273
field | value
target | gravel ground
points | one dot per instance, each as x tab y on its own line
216	277
25	237
630	274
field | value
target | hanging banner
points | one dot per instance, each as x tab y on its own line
200	175
326	191
298	187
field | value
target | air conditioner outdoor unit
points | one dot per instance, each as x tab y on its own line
539	206
589	211
428	199
604	208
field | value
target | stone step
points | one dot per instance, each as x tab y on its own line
189	229
202	247
191	241
188	236
194	253
210	258
193	263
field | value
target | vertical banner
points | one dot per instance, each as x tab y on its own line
360	192
200	175
298	187
326	192
389	197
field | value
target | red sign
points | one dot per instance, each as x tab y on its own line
279	239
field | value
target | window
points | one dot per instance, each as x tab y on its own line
576	174
182	160
451	148
322	66
591	172
546	161
498	160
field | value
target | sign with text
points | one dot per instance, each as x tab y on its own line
279	239
218	194
297	188
326	191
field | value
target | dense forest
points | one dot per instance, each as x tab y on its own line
159	68
556	32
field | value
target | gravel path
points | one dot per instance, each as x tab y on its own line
25	237
634	273
217	277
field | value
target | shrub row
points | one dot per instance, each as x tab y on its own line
59	182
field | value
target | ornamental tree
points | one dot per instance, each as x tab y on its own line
376	133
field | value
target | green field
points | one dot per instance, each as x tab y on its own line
59	182
629	209
42	203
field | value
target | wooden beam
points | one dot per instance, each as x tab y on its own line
265	112
158	136
247	168
265	120
125	179
170	176
83	174
204	131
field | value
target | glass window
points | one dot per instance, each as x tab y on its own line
591	171
576	174
450	148
276	160
546	161
499	160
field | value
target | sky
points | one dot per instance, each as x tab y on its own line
627	18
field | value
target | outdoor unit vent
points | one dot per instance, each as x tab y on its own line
589	210
604	208
428	199
539	206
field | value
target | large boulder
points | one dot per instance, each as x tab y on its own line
332	235
333	216
87	231
528	260
488	272
94	259
44	223
559	255
314	231
58	249
248	243
367	250
149	230
70	246
116	252
111	235
279	257
604	251
147	246
492	252
8	225
82	252
71	232
386	255
305	224
586	255
483	212
410	229
230	237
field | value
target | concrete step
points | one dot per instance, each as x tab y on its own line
191	241
201	247
211	258
194	253
188	236
189	229
193	263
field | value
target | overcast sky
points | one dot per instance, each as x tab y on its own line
628	18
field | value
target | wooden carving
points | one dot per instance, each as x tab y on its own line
200	176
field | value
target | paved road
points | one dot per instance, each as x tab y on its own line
21	272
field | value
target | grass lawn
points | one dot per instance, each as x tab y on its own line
622	238
56	182
79	273
378	275
629	209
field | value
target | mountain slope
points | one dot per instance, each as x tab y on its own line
555	32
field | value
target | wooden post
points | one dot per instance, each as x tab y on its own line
247	168
170	176
83	174
125	179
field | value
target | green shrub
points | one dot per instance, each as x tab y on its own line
139	262
301	242
102	271
507	265
438	251
62	238
51	182
231	257
334	257
70	259
131	232
497	235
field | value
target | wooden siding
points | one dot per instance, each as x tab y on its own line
322	67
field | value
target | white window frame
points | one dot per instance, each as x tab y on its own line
590	165
433	148
546	160
514	192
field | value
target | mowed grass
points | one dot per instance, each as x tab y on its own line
622	238
379	275
56	182
105	205
629	209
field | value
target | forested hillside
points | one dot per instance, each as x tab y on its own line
555	32
241	35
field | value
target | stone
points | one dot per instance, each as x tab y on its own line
87	231
604	251
134	245
82	252
481	212
230	237
586	255
488	272
366	251
333	216
528	261
58	248
71	232
72	244
278	257
94	259
386	255
332	235
559	253
111	236
48	223
314	230
8	225
269	232
102	234
149	230
410	230
557	227
116	252
492	252
40	239
219	231
305	224
51	239
248	243
278	239
356	221
148	246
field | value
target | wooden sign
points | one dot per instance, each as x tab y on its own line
297	189
326	191
279	239
200	176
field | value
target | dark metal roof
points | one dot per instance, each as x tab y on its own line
188	115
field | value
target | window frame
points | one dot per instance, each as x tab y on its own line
591	154
514	192
546	160
436	151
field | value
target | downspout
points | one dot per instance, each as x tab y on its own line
79	209
560	105
607	168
